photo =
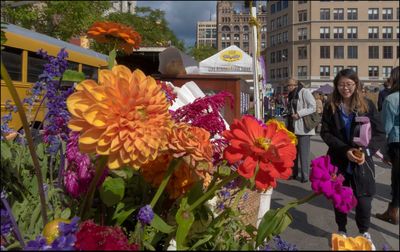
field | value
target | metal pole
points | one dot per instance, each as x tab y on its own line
257	104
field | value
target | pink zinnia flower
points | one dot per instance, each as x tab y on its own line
324	179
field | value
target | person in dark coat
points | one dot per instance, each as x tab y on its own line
383	93
338	131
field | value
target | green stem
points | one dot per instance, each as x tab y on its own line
28	135
300	201
243	189
171	168
87	201
211	191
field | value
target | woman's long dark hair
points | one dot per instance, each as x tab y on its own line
394	78
357	101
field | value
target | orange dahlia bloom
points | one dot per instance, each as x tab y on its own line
270	147
180	182
193	143
110	32
281	126
359	243
124	116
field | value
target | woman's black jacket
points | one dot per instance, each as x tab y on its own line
334	135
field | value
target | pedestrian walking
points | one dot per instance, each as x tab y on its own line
301	103
383	93
390	117
338	131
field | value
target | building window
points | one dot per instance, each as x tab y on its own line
285	72
236	37
302	32
285	37
397	33
373	13
272	57
278	73
354	68
272	73
246	37
386	71
387	32
263	44
352	14
278	6
302	71
273	8
373	32
279	56
338	32
387	13
285	4
398	14
338	14
302	2
324	32
373	71
398	52
324	14
352	52
325	52
324	71
285	20
302	16
352	32
285	54
388	52
337	69
338	52
302	52
373	52
246	45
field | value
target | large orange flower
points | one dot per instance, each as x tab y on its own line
109	32
359	243
270	147
180	182
193	143
125	116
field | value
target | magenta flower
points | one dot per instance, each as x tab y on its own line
324	179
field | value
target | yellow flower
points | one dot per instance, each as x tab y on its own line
193	143
51	231
124	116
281	126
180	182
340	243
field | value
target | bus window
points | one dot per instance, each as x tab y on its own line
12	59
35	66
73	65
90	72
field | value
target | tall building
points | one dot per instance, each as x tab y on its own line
233	26
206	34
313	40
122	6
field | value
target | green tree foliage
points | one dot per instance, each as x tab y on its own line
203	52
60	19
151	25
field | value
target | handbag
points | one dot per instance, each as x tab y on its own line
310	121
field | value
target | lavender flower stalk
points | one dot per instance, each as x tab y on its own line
11	216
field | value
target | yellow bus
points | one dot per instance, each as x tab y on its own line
20	58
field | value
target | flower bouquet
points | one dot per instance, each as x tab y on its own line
118	170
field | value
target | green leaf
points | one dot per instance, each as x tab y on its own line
184	219
201	242
112	191
125	172
121	214
267	225
286	219
5	151
74	76
66	213
195	192
111	58
224	170
161	225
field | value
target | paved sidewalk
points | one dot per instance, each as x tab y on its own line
314	222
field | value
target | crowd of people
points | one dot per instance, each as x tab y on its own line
343	117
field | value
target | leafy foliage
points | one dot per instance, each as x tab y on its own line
202	52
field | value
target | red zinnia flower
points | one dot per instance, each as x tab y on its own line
270	146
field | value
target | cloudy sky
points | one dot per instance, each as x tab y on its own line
182	16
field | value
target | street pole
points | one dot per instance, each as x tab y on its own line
257	104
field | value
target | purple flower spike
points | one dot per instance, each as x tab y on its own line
145	215
324	179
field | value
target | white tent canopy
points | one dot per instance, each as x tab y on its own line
231	60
